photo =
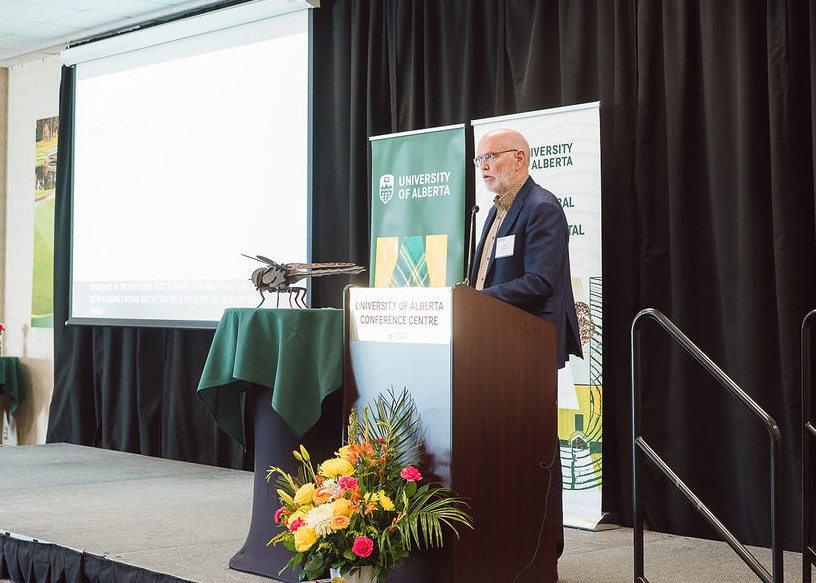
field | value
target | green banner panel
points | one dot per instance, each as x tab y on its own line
417	209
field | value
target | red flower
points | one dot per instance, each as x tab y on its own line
411	474
278	513
347	482
363	546
296	524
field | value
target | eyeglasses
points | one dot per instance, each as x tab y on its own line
488	157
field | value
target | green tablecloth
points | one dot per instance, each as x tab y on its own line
299	353
11	380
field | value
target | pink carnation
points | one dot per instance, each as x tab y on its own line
278	513
296	524
363	546
347	482
411	474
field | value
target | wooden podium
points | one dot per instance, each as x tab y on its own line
483	375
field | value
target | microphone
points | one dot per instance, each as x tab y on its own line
471	250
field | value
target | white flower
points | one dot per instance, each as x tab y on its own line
319	518
332	487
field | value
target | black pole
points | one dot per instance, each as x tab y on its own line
471	241
808	435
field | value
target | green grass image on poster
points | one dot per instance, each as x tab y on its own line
42	292
46	137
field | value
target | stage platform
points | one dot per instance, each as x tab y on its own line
186	521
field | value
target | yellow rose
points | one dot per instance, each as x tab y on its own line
342	507
305	537
304	494
385	501
338	522
336	467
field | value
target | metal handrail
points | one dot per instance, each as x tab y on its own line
639	445
808	434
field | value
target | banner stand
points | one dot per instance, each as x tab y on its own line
565	158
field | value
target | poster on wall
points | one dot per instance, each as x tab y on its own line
565	158
45	171
417	208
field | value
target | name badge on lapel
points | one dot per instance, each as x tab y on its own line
505	245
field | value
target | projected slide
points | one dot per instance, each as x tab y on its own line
187	155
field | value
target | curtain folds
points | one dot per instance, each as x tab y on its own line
32	560
708	215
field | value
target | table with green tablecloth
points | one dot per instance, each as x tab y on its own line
297	353
11	380
289	365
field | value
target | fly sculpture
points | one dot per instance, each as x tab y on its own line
281	277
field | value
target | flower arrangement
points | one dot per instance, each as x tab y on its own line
366	506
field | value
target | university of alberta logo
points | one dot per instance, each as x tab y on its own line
386	187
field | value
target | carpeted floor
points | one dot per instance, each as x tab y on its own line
188	520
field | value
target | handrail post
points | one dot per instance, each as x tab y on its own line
808	434
637	519
776	504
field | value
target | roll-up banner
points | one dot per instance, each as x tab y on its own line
417	208
565	158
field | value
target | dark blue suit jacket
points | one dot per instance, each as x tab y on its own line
536	277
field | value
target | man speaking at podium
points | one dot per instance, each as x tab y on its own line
523	255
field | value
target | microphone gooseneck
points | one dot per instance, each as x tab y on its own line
471	250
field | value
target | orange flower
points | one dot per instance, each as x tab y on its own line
322	495
370	502
355	494
338	522
354	451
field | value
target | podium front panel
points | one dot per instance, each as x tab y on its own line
400	338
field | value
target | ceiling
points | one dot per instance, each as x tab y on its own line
33	29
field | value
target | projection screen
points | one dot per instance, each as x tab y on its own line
188	153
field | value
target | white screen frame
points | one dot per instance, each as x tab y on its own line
177	288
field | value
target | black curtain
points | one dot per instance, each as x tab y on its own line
724	186
32	560
708	215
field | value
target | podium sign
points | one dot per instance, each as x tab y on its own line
410	315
